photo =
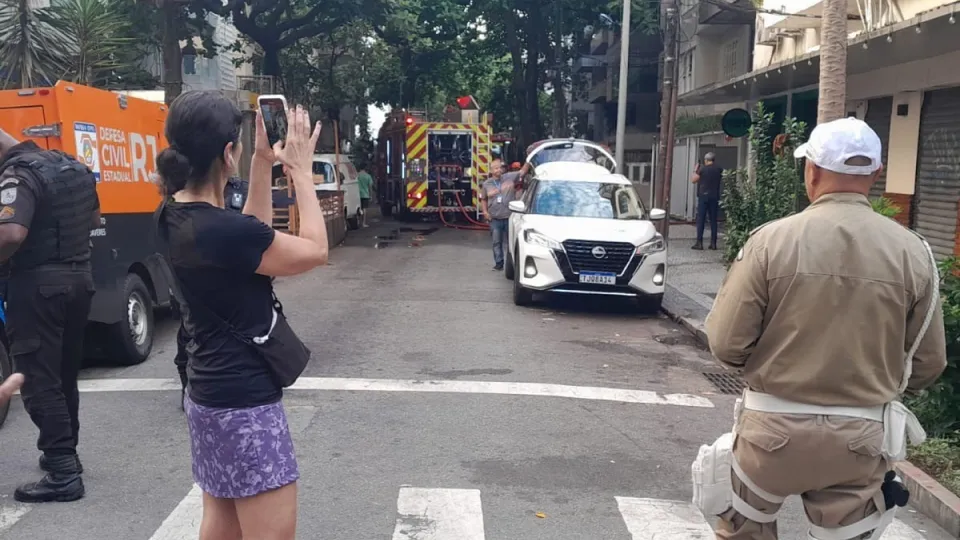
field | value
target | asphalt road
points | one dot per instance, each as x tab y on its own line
410	330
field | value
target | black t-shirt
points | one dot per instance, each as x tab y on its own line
710	178
215	254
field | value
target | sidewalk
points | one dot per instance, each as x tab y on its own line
693	278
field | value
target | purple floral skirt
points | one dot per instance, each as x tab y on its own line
240	452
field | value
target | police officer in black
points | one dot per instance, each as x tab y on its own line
234	197
53	197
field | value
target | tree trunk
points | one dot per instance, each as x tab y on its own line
833	62
172	55
517	80
271	60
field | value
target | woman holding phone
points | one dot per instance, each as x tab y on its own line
222	261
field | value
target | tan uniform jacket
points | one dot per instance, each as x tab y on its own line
821	307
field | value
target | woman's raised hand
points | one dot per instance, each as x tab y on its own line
297	151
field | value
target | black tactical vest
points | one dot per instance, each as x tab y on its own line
60	230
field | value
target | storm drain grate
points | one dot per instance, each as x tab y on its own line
726	383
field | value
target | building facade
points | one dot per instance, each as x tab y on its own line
595	94
903	78
716	44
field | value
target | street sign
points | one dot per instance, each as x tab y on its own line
736	123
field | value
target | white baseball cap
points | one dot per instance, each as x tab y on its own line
832	144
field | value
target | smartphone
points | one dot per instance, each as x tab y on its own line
273	110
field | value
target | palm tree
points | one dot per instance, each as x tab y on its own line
833	61
31	49
84	41
99	32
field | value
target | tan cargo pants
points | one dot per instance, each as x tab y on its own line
833	462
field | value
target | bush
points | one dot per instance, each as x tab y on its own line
777	186
885	207
938	408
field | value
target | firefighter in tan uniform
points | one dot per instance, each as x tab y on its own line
830	314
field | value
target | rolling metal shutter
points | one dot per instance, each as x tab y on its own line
879	111
938	170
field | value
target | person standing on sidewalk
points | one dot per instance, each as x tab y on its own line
49	206
495	196
365	185
708	179
831	314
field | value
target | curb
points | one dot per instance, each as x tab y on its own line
693	326
930	498
680	315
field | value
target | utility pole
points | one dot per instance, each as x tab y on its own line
559	97
622	91
668	110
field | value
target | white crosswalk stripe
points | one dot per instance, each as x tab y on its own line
184	522
457	514
438	514
11	514
657	519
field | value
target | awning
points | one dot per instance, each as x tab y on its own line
937	36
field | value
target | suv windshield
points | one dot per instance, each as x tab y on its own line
569	151
587	200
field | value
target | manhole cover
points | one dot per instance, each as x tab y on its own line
726	383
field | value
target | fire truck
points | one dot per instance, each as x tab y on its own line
424	168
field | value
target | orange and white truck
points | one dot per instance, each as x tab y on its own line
118	137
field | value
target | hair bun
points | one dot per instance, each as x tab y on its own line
174	169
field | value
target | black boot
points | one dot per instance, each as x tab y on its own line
713	246
698	246
62	484
45	464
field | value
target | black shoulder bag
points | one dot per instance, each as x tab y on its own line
281	350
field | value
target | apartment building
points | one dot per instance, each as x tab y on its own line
716	44
219	73
903	78
595	94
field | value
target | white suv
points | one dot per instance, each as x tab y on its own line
578	229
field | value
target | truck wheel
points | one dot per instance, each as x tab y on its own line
131	339
6	369
354	222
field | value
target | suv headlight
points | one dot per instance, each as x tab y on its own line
652	246
531	236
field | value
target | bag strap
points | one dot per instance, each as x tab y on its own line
177	284
931	309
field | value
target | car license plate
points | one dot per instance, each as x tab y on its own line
598	278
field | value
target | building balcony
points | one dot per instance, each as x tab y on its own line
928	35
600	92
588	62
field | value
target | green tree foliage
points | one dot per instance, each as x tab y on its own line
774	190
92	42
275	25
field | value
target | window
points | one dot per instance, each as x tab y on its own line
731	50
686	72
323	173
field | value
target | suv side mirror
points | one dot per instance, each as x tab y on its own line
517	206
656	214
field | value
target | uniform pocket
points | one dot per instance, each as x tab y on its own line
762	435
870	442
50	291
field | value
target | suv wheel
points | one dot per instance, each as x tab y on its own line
522	296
